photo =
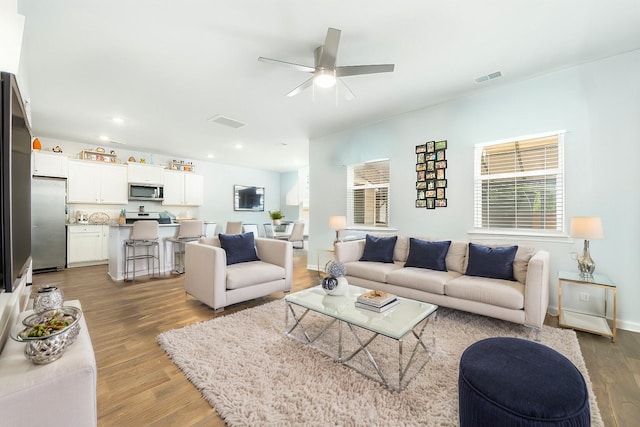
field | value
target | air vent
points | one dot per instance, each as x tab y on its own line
488	77
226	121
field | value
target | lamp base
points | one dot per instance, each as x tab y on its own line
586	265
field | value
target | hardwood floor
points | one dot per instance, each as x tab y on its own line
139	385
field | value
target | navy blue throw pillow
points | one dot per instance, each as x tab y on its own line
239	247
495	263
424	254
379	249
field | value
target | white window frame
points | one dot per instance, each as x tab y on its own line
479	178
351	188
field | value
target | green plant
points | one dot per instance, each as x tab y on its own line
276	215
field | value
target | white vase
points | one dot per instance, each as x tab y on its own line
277	222
342	287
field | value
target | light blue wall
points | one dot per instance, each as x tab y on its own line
596	103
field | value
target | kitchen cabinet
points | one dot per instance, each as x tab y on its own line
92	182
182	188
140	173
50	164
87	244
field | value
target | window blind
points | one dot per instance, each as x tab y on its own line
368	193
519	184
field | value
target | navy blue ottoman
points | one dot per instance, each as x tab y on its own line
515	382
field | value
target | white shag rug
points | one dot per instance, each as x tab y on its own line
254	375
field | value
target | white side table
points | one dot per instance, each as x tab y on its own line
593	323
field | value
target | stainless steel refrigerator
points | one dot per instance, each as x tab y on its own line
48	218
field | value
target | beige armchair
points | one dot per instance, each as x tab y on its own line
209	279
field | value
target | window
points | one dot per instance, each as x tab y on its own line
368	193
519	184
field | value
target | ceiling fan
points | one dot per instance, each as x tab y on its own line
325	73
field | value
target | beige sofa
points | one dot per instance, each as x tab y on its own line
209	279
522	301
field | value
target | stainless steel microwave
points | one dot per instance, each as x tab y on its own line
146	192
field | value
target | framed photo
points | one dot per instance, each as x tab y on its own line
421	148
421	203
440	174
441	203
431	203
421	194
431	184
431	165
440	155
420	176
440	193
430	156
441	183
421	166
248	198
431	146
430	194
440	145
421	185
420	158
442	164
430	175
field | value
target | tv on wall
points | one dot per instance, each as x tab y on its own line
247	198
15	184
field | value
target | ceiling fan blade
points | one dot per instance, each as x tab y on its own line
302	87
298	67
353	70
329	52
348	93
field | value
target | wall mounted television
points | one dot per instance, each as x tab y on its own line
248	198
15	184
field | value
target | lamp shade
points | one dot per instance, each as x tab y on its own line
586	227
337	222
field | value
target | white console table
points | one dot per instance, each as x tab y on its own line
61	393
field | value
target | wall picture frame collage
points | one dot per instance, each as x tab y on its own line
431	176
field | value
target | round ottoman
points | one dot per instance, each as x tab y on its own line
515	382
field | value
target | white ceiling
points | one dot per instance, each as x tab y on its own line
168	66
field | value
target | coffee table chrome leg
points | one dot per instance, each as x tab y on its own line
298	322
419	343
363	347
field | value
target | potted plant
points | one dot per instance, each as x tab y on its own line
276	216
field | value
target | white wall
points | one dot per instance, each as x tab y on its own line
597	103
218	179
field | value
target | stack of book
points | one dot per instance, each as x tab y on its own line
377	301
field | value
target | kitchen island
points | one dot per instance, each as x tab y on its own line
120	232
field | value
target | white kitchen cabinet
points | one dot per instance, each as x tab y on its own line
87	245
50	164
140	173
93	182
182	188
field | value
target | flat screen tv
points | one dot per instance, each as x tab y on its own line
247	198
15	184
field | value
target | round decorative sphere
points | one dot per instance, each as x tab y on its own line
48	298
329	284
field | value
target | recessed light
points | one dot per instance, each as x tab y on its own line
103	137
210	156
118	120
238	146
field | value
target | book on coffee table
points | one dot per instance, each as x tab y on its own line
381	309
376	298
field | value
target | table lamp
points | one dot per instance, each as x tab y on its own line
586	227
337	223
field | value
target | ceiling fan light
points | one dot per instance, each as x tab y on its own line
325	78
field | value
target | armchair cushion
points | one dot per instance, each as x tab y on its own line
431	255
239	247
495	263
379	249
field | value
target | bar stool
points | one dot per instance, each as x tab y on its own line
189	231
144	234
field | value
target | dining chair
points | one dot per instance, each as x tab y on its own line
251	228
296	235
234	227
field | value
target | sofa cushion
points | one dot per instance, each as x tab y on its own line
239	247
401	249
501	293
457	256
431	281
379	249
425	254
521	263
496	263
241	275
375	271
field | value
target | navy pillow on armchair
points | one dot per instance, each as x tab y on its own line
239	247
495	263
379	249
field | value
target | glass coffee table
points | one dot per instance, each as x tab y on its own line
372	340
